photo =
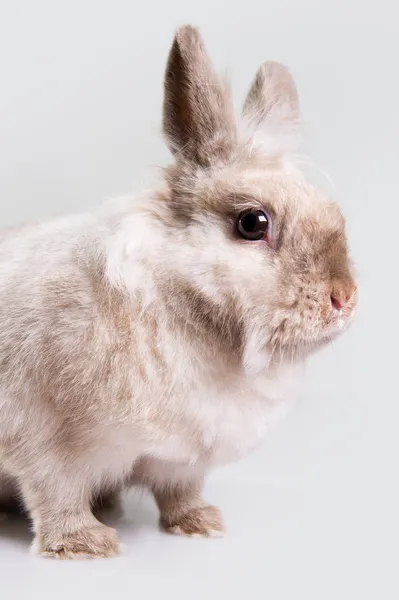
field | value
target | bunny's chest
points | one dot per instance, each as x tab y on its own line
238	424
219	426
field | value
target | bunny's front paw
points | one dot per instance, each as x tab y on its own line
197	522
88	542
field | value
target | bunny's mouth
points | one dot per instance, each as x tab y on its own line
296	343
340	320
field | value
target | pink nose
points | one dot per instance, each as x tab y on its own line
342	294
336	302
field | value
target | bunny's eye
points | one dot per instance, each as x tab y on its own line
253	225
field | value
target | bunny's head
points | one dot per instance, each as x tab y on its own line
255	259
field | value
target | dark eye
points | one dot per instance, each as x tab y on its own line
252	224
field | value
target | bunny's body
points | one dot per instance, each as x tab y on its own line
152	389
165	334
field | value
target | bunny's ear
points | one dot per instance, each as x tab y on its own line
273	94
272	104
198	114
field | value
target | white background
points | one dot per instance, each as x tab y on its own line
314	513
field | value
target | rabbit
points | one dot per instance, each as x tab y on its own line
163	335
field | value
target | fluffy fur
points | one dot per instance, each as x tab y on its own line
148	342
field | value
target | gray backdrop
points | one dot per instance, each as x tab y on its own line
313	513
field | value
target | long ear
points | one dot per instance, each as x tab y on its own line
198	115
272	105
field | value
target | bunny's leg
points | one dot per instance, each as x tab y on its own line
184	512
8	493
106	501
64	524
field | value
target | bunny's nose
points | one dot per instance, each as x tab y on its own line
341	294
